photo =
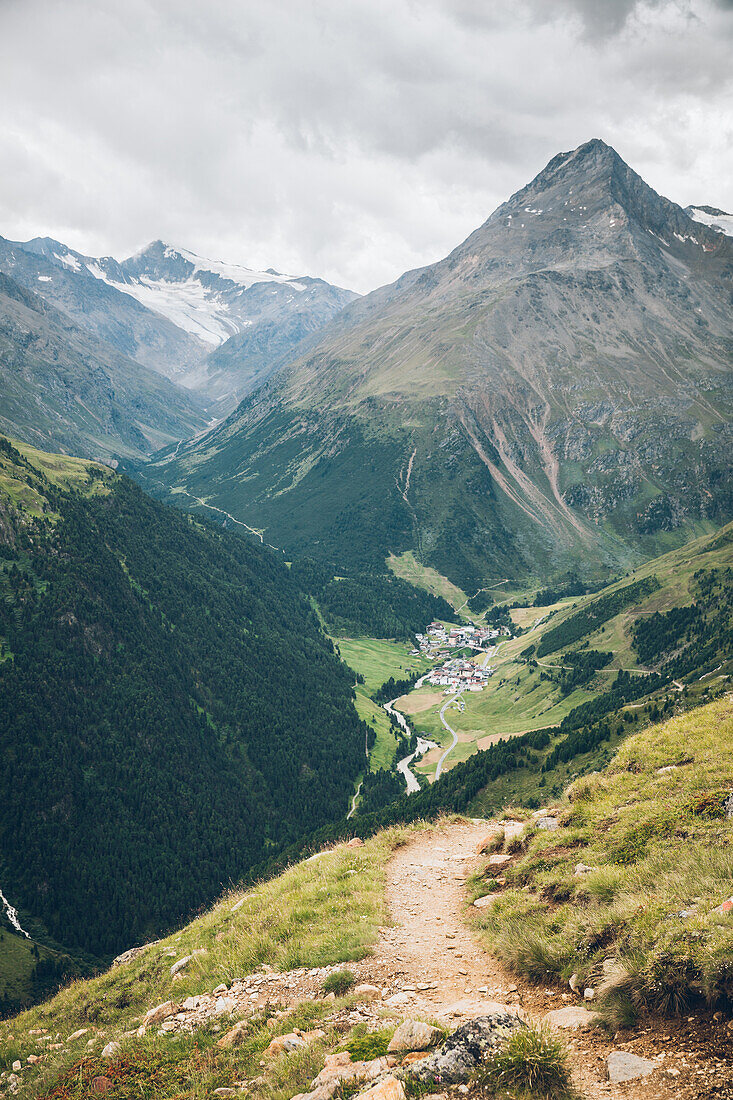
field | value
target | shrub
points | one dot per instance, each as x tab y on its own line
373	1044
339	982
531	1060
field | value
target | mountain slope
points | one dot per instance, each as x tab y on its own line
557	388
63	389
219	328
170	711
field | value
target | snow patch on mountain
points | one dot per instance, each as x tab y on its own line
195	293
715	219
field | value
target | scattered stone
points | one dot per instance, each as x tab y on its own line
398	999
159	1013
224	1005
589	994
17	1066
549	823
355	842
225	1092
77	1034
284	1044
101	1084
366	992
132	953
499	859
572	1018
488	842
725	907
622	1066
220	989
388	1089
414	1035
487	899
111	1050
583	868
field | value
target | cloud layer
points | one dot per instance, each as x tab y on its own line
350	139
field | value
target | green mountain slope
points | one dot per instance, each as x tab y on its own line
64	389
170	711
556	390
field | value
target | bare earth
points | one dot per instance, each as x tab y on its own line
430	944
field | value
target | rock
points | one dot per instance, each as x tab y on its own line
499	859
388	1089
466	1048
77	1034
355	842
488	842
101	1084
414	1035
220	989
589	994
234	1036
330	997
33	1058
159	1013
180	965
365	992
583	868
622	1066
574	983
549	823
725	907
284	1044
487	899
415	1056
224	1005
17	1066
189	1004
132	953
398	999
111	1050
224	1092
572	1018
728	806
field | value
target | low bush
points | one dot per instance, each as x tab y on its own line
532	1061
339	982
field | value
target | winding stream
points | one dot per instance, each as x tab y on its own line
12	915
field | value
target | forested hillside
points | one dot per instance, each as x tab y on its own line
170	711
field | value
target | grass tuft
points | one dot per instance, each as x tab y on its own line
339	982
532	1061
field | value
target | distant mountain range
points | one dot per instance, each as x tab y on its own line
216	330
558	388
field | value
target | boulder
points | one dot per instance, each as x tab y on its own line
488	842
414	1056
398	999
622	1066
388	1089
549	823
414	1035
111	1050
466	1048
355	842
366	992
234	1036
284	1044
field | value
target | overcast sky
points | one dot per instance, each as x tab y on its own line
351	139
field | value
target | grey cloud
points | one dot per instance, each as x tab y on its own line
348	140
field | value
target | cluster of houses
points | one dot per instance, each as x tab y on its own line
439	639
459	675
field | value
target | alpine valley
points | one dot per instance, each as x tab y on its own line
291	579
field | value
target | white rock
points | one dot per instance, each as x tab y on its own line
622	1066
111	1050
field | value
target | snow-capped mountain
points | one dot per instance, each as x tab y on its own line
170	309
712	217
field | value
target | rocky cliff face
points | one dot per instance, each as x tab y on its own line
558	387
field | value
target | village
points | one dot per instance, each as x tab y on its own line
457	673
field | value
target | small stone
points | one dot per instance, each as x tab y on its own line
17	1066
414	1056
574	983
572	1018
111	1050
583	868
77	1034
220	989
622	1066
499	859
160	1012
180	965
487	899
589	994
355	842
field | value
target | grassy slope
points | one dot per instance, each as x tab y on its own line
659	844
517	699
318	913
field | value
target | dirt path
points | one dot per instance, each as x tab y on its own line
431	945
